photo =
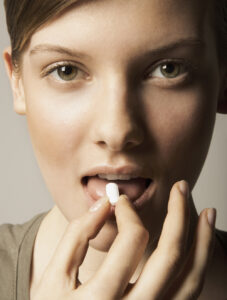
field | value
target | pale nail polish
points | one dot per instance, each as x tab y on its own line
183	185
112	192
98	204
211	216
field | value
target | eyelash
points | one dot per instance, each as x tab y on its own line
187	66
57	66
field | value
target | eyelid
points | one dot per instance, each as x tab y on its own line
53	67
189	66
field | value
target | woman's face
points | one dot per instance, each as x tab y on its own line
142	91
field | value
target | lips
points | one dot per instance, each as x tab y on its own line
124	170
133	188
146	189
139	187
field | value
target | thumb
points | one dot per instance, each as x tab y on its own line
73	246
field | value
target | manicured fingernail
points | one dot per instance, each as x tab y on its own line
211	216
184	189
98	204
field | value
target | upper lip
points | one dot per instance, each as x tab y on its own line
123	170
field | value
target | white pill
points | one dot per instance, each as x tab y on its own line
112	192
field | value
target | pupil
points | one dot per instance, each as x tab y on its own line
168	68
67	70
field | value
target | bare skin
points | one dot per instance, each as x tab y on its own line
158	273
110	114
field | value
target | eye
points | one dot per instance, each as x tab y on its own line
65	72
168	70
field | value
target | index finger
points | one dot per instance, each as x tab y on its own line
72	248
124	254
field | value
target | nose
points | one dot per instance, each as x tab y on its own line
117	124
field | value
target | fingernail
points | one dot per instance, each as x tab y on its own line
183	187
98	204
211	216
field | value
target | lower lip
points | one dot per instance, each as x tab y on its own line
137	203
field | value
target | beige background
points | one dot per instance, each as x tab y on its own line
23	192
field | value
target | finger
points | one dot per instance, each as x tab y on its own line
73	246
190	282
165	261
124	254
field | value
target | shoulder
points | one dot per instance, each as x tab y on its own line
11	235
215	284
222	238
11	239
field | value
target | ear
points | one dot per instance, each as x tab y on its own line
222	101
16	83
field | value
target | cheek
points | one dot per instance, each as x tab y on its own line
181	125
56	130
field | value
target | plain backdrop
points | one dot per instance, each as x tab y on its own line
23	192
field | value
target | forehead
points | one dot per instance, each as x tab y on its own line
127	24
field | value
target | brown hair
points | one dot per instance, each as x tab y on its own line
24	17
221	28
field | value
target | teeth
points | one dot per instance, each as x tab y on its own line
116	176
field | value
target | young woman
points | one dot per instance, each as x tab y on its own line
125	92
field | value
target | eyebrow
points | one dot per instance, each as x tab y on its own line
180	43
57	49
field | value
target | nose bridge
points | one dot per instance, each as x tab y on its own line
117	125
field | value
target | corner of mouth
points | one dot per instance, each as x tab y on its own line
84	180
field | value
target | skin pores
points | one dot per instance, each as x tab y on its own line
120	109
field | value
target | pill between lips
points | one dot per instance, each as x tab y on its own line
112	192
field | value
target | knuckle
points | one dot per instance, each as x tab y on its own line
78	225
96	291
139	233
49	283
74	225
176	254
173	258
146	235
77	229
192	295
195	286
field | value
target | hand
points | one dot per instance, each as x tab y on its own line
170	272
59	279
